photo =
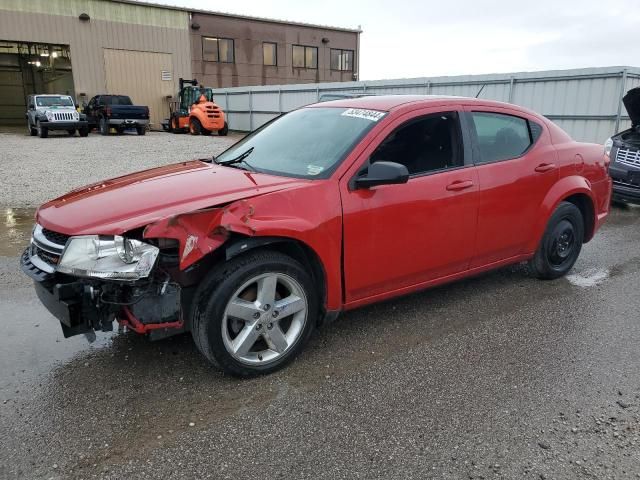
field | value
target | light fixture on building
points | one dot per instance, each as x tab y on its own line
325	40
195	26
54	54
84	17
44	54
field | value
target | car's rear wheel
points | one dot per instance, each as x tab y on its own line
195	127
561	244
224	130
255	313
43	132
141	130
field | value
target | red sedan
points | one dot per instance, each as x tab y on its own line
327	208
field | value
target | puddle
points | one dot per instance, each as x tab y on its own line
15	230
589	278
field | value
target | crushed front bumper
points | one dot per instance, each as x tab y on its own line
86	305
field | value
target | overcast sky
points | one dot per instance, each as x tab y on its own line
426	38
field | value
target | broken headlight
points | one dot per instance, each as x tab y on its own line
110	258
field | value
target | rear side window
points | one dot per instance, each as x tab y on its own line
502	137
116	100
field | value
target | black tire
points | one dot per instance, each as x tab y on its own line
195	127
561	243
205	132
43	132
224	130
141	130
217	289
71	132
119	130
103	126
32	131
84	132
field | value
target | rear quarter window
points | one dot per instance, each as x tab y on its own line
503	137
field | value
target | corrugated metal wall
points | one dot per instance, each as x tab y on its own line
112	26
584	102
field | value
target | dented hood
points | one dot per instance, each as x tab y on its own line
115	206
632	104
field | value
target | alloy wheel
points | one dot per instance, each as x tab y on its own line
264	318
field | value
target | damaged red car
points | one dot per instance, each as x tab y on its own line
325	209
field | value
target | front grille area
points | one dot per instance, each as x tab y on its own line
55	237
622	183
62	116
628	157
47	257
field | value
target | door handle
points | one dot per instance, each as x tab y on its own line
459	185
545	167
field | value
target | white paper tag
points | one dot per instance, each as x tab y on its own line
372	115
314	169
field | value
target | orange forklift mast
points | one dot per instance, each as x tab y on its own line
195	111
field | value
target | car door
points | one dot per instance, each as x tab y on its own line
516	167
401	236
89	111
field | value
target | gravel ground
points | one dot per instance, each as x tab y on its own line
496	377
37	170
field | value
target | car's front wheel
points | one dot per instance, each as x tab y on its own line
561	243
104	126
43	132
254	314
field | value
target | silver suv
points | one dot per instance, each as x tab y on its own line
54	112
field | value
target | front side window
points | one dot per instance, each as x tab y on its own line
54	101
341	60
306	143
305	57
424	145
217	50
269	53
500	136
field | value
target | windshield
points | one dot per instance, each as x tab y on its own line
306	143
58	101
116	100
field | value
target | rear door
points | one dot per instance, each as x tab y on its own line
402	236
516	167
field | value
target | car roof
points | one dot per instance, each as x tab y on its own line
387	103
51	95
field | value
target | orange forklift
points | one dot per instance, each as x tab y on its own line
195	111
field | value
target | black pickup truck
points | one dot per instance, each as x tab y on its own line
116	111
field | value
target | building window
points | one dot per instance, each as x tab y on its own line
217	50
342	60
305	57
269	53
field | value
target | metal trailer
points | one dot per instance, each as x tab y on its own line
584	102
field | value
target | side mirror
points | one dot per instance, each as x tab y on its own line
383	173
32	106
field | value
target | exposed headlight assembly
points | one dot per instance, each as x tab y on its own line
109	258
608	146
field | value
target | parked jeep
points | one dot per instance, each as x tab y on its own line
624	151
54	112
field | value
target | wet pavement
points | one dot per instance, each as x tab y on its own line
499	376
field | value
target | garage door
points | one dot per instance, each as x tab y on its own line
12	96
147	77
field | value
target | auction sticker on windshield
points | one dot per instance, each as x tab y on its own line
372	115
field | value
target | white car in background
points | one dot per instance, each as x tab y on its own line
54	112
